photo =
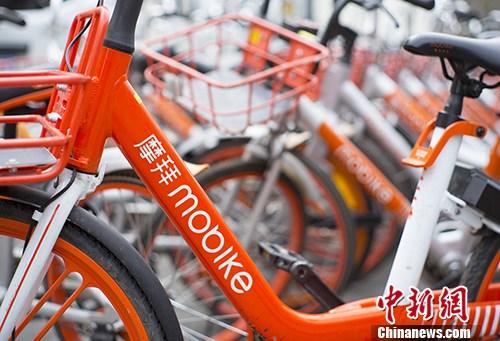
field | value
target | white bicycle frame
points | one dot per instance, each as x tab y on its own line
349	95
425	208
432	186
340	92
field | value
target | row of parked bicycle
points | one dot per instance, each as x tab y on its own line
285	183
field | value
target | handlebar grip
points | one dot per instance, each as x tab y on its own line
426	4
121	29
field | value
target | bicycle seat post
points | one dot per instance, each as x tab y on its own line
454	104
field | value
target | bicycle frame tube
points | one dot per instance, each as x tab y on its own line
411	113
426	205
261	201
377	124
6	262
354	161
342	91
417	89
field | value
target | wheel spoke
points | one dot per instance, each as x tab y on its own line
42	301
61	311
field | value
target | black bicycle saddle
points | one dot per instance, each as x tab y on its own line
484	53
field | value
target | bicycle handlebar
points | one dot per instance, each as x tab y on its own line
426	4
121	29
11	16
334	28
264	8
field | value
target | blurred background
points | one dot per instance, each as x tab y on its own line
47	21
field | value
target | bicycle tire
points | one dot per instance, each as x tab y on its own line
330	191
86	237
480	271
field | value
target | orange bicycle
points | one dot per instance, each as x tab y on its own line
94	101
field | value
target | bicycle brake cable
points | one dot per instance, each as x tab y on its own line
76	38
44	206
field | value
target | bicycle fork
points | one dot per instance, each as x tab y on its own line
36	258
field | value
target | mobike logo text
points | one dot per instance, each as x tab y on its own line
212	241
364	174
406	111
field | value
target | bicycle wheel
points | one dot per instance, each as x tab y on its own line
123	202
482	270
117	296
388	231
329	213
327	241
339	188
120	193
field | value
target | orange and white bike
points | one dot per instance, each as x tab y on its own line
104	280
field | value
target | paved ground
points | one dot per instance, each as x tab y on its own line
373	284
370	285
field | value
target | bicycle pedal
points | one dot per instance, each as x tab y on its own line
302	271
280	257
